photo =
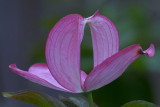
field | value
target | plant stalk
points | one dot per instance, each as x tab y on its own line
90	98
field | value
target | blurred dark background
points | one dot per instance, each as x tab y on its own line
25	25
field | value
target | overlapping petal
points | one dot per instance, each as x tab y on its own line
114	66
83	78
39	73
63	51
105	37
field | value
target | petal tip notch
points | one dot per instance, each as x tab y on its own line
12	66
96	13
150	51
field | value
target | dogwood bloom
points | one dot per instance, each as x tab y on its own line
62	71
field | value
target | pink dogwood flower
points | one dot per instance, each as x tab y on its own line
62	71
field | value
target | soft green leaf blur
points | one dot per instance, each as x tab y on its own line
139	103
76	101
35	98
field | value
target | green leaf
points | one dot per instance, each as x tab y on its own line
139	103
76	101
35	98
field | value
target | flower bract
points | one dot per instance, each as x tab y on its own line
62	71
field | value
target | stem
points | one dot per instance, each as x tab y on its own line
90	98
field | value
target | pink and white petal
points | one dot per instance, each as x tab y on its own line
114	66
105	38
63	51
83	78
39	73
150	51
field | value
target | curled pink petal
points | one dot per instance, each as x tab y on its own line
63	51
105	37
150	51
39	73
114	66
